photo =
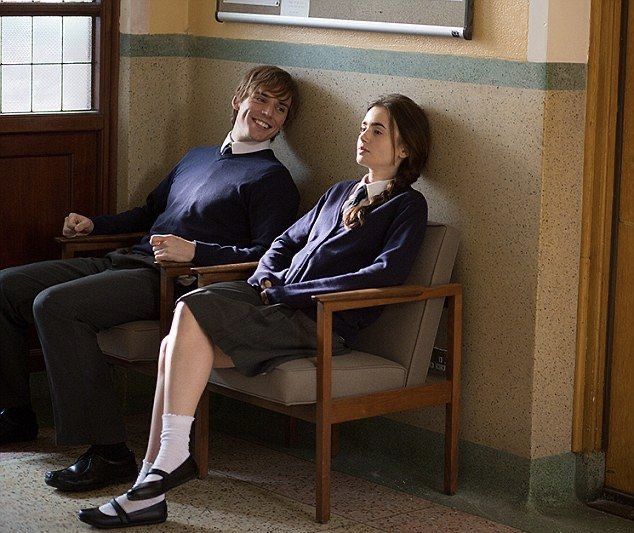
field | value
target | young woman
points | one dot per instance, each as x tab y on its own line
360	234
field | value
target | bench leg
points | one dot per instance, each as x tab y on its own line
322	463
452	425
201	435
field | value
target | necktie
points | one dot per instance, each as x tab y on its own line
361	194
227	150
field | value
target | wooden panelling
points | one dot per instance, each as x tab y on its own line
42	178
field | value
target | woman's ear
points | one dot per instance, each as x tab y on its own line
402	152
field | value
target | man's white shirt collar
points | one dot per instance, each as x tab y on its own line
242	147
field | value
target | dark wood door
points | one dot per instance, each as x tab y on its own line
61	161
43	177
619	473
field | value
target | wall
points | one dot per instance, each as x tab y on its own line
507	111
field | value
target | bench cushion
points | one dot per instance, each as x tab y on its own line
132	341
291	383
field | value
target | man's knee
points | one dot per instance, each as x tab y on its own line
53	300
12	282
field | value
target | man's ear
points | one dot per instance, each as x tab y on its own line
235	103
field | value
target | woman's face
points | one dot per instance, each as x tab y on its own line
374	145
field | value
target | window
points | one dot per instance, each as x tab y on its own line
47	59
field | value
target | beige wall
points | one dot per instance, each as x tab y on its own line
505	169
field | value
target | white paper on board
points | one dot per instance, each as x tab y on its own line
295	8
271	3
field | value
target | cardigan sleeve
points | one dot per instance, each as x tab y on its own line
272	204
390	267
139	218
275	262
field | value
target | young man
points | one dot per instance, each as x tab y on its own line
220	204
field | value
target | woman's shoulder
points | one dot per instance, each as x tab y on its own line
342	186
410	196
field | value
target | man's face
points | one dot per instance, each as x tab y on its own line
260	116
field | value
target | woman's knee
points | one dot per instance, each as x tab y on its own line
161	359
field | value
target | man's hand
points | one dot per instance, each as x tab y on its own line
77	225
172	248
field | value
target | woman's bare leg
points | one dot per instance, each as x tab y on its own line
154	440
189	358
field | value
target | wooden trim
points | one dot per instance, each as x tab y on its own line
66	9
111	128
598	188
43	122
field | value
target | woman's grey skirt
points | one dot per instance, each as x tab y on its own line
255	336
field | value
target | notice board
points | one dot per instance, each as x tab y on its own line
425	17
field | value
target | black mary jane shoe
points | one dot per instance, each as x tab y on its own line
150	489
155	514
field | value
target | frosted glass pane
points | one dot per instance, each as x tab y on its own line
16	88
16	40
47	39
76	87
77	39
47	87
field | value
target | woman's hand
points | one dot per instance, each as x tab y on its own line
264	297
265	284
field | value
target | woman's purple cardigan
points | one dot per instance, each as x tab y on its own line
317	255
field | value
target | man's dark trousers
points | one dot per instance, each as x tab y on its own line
70	301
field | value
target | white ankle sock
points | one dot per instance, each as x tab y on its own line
131	506
174	444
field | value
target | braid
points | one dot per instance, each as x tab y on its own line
355	217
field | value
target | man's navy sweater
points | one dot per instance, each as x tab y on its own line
317	254
233	206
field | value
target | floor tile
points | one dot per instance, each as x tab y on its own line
439	518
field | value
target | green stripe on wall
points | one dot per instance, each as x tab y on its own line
480	71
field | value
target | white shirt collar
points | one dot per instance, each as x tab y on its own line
243	147
375	188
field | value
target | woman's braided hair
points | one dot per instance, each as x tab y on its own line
409	119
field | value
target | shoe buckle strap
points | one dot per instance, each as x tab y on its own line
123	516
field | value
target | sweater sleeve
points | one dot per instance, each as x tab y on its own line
272	204
137	219
389	268
277	259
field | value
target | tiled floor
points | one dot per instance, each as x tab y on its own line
249	488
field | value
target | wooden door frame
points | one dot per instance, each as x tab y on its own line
601	141
106	97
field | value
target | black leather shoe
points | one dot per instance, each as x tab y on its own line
150	489
155	514
92	471
17	424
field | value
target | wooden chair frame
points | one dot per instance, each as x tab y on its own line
327	411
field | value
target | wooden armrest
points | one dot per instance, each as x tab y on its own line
339	301
230	272
174	269
72	245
